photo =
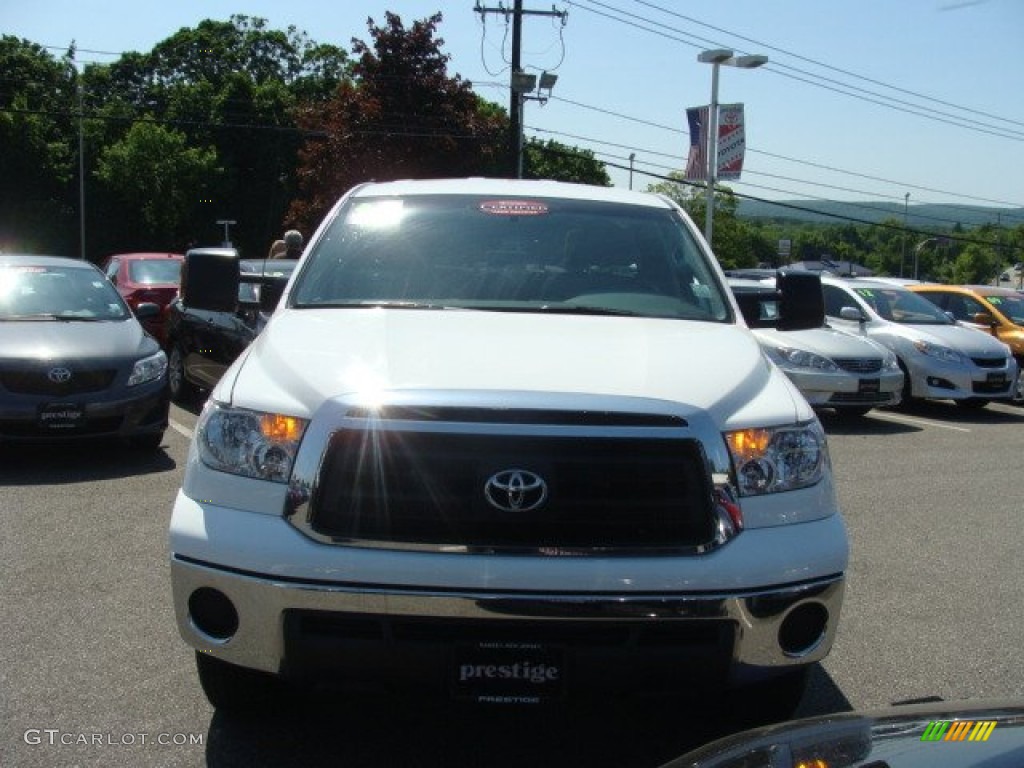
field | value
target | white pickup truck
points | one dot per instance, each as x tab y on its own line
510	441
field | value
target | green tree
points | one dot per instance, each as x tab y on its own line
233	86
558	162
160	180
37	164
975	264
735	243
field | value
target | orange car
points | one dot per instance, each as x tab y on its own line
999	311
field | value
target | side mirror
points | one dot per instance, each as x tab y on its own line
801	301
270	294
852	313
209	279
146	310
759	308
983	318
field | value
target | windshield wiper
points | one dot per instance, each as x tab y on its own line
384	304
583	309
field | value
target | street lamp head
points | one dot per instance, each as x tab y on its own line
749	62
716	56
523	82
547	81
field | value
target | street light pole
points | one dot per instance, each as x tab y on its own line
523	84
716	58
917	251
903	258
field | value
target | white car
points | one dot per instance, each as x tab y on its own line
511	441
942	359
832	369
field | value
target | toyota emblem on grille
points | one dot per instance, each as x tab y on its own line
59	375
515	490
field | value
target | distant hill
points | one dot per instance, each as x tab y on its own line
923	216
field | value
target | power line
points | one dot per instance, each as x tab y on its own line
802	208
810	78
828	66
947	222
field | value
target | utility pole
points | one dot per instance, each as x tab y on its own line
515	105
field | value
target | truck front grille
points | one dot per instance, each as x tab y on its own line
429	488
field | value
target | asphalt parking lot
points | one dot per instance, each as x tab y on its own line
92	671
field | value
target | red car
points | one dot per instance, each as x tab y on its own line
147	277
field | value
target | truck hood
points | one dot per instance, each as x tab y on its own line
305	356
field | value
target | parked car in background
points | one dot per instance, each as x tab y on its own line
832	369
995	310
75	362
201	343
941	359
146	278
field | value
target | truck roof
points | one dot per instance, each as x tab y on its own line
517	187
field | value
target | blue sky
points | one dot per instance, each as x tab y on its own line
860	100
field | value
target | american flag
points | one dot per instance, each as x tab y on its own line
697	162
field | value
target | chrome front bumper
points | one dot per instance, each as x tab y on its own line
262	603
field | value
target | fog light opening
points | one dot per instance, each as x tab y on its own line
212	613
803	629
935	381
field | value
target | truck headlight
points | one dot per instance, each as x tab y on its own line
945	354
774	459
799	358
248	443
148	369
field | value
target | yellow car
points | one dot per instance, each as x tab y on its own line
999	311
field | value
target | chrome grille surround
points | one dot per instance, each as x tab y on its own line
470	417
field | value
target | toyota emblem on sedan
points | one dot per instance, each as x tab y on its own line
59	375
515	490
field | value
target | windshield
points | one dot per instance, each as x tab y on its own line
510	254
155	271
70	293
899	305
1011	306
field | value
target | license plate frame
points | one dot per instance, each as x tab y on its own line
869	386
995	378
509	673
57	417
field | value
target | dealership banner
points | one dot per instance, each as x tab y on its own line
731	142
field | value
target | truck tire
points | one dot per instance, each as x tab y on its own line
231	688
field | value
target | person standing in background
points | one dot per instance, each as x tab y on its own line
277	250
293	244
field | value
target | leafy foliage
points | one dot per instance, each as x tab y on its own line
155	171
555	161
37	166
402	116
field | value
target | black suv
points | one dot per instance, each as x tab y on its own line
201	343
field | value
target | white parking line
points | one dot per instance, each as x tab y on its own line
181	429
917	422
